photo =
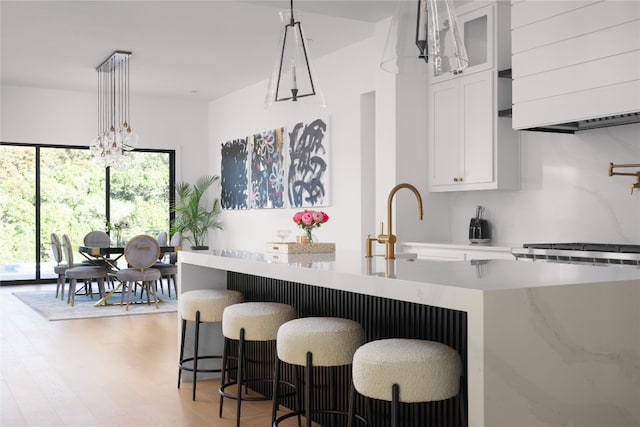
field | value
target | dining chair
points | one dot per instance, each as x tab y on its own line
170	270
141	253
59	269
97	239
162	241
86	273
176	241
162	238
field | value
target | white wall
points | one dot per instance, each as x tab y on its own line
566	194
344	76
43	116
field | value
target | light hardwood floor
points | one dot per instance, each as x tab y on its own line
112	371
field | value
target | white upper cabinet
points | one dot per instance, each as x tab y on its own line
470	147
462	131
574	60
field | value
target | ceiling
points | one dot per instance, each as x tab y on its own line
198	49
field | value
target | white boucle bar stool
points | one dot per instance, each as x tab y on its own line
315	341
406	370
200	306
249	321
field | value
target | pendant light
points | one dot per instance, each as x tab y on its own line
424	31
293	79
115	136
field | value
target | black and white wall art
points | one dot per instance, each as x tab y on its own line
286	166
234	181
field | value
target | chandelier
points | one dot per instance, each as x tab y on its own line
293	77
115	137
432	27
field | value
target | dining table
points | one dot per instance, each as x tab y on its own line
110	256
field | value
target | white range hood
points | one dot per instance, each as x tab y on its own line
576	64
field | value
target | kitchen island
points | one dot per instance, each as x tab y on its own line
542	343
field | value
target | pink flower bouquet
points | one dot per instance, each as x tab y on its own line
309	219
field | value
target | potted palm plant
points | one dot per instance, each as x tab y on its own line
192	218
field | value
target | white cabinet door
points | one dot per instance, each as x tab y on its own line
444	133
478	115
461	136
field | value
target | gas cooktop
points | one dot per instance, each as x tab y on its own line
596	247
581	253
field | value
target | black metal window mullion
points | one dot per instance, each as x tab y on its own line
172	188
38	216
107	194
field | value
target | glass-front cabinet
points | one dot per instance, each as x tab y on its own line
477	31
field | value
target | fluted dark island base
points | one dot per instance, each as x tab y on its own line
381	318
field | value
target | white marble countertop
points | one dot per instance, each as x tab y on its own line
487	275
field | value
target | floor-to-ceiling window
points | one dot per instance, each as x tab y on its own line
48	189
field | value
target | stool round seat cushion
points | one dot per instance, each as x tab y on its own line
209	302
425	371
331	340
135	275
260	320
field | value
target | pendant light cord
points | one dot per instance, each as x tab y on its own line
292	20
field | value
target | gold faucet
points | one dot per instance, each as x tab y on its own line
634	185
389	239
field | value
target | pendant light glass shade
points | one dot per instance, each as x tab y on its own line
424	31
293	79
115	137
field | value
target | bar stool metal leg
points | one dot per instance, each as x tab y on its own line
241	366
182	338
224	373
276	391
308	388
395	406
195	354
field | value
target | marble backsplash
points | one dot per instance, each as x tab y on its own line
566	193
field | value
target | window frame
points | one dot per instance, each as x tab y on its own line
38	236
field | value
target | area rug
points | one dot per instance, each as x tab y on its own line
52	308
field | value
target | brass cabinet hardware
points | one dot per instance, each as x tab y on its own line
634	185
